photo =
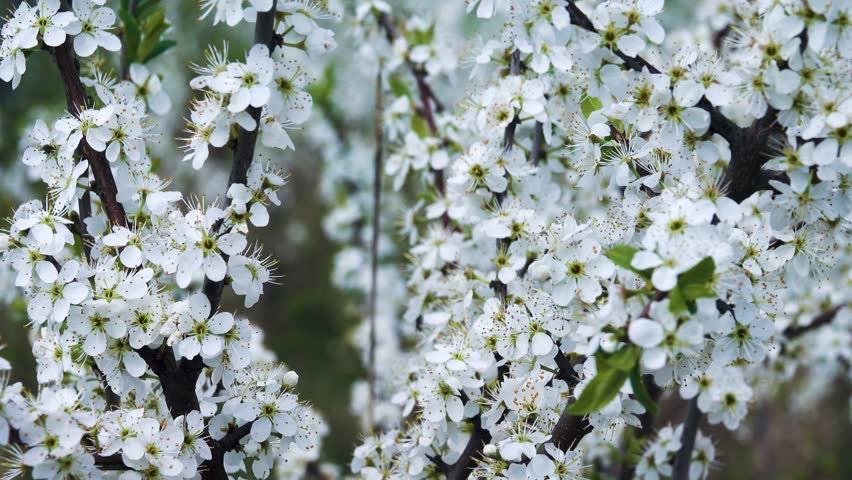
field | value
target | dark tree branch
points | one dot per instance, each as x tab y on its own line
538	152
112	399
479	437
98	164
427	97
820	320
232	438
111	462
687	441
177	379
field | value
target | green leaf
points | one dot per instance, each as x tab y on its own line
159	49
640	392
131	33
419	126
624	359
696	290
677	302
622	255
153	27
589	105
600	390
145	8
700	274
398	86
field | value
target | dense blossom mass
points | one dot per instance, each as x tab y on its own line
607	217
140	373
587	217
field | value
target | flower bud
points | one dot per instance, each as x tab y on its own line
490	450
290	378
539	271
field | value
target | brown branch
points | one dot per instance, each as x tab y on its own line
98	164
177	379
110	462
264	34
569	429
538	151
479	437
427	97
820	320
112	399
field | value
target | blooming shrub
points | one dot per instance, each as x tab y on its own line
595	218
140	374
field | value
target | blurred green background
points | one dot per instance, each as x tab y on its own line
306	320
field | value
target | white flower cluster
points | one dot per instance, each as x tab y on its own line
591	227
273	82
44	24
139	376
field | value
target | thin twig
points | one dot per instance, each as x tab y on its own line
427	97
374	249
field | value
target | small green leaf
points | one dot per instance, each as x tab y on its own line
159	49
624	359
599	391
677	302
622	255
640	392
145	7
131	34
700	274
419	126
398	86
696	290
589	105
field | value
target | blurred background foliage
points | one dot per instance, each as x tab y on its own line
306	320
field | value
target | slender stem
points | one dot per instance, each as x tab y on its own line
628	467
374	248
687	441
427	97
